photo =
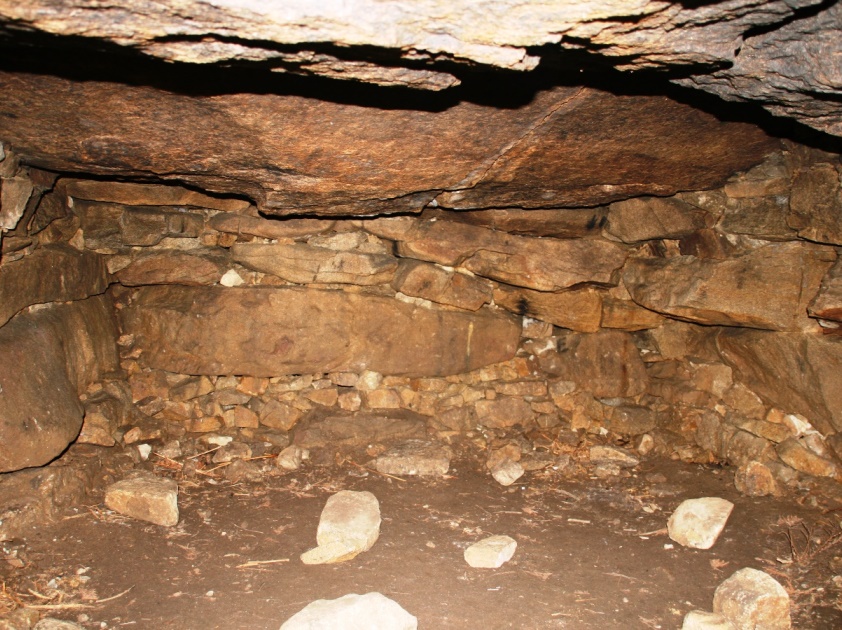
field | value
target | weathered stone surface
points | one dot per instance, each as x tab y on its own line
753	599
504	412
702	620
56	624
507	472
360	430
368	166
14	195
577	309
304	264
415	457
110	225
443	286
607	364
54	273
828	303
292	457
174	267
630	420
371	611
816	203
274	331
697	523
624	314
769	287
756	480
491	553
797	373
145	497
544	264
348	526
131	194
48	358
646	218
558	223
600	454
796	455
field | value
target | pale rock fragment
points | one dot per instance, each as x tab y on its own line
291	457
372	611
697	523
491	553
145	497
703	620
349	525
612	455
753	599
507	472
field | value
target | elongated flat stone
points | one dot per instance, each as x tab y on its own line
147	498
270	331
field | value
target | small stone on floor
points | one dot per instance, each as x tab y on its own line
145	497
491	553
372	611
415	457
349	525
697	523
753	599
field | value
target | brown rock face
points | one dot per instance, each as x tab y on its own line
51	274
769	287
272	331
828	303
543	264
174	267
798	373
434	283
47	359
296	154
578	309
646	218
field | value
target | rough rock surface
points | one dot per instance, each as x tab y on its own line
363	164
145	497
348	526
798	373
271	331
768	288
726	46
174	267
55	273
415	457
371	611
753	599
47	359
697	523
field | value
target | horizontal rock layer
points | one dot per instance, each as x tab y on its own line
295	154
273	331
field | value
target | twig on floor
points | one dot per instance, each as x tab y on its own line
376	472
259	563
113	597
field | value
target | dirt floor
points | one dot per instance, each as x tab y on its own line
592	553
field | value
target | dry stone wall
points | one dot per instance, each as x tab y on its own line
701	326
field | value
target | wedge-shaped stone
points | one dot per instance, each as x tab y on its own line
271	331
54	273
559	223
798	373
491	553
816	204
443	286
753	599
348	526
48	358
304	264
174	267
697	523
577	309
132	194
145	497
646	218
544	264
768	288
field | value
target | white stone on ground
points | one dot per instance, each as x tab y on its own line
491	553
703	620
372	611
56	624
697	523
753	599
145	497
349	525
507	472
415	457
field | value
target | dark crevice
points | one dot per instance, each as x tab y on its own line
797	14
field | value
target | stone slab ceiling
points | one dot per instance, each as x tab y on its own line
785	55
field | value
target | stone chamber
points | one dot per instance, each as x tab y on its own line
553	255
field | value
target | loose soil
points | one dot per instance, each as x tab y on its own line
592	553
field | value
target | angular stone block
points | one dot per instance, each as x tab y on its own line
146	498
491	553
697	523
576	309
348	526
647	218
753	599
434	283
269	331
415	457
371	611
